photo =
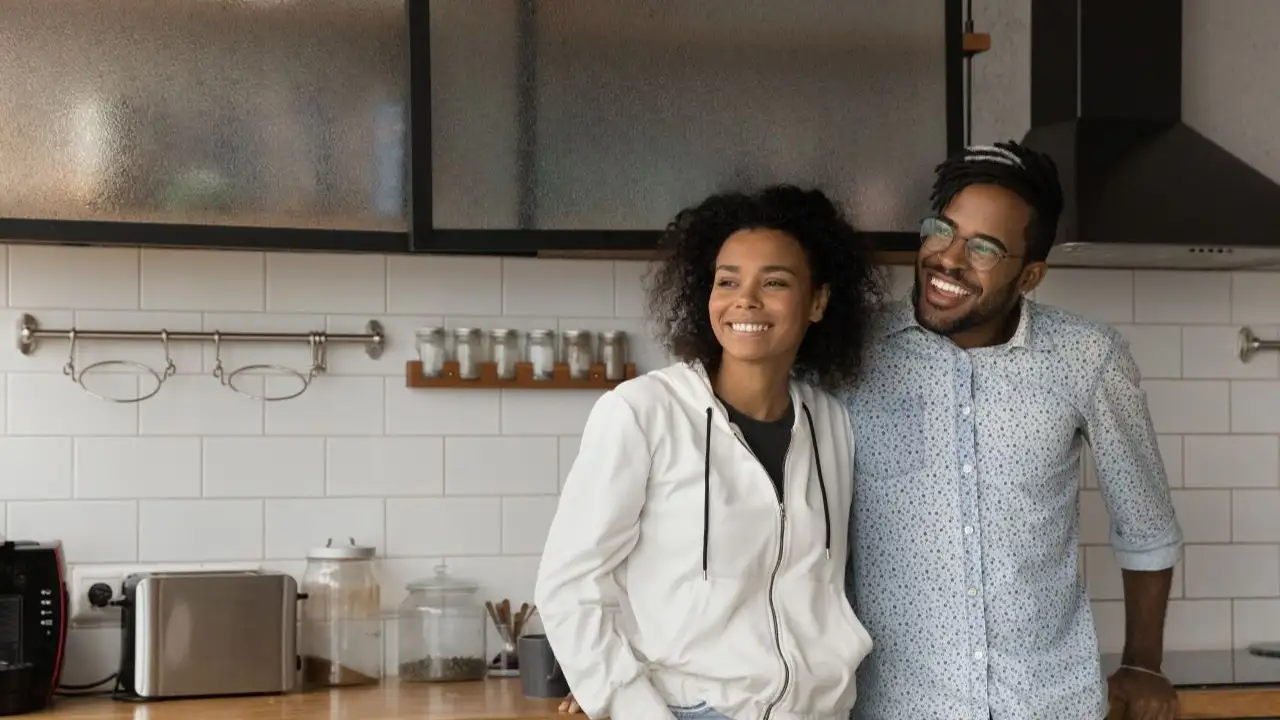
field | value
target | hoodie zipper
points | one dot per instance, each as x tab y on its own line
773	576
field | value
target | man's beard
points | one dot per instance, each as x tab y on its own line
989	307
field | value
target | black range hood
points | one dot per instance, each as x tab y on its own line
1143	189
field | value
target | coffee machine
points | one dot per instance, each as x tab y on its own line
34	605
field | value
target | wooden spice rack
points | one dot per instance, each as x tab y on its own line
489	379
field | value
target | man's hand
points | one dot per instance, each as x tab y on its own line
570	705
1142	695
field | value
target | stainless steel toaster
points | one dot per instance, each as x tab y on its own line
199	634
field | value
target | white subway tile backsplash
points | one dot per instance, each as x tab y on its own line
1255	298
264	467
57	276
35	468
200	472
321	283
1108	622
444	526
137	467
1156	348
1205	515
48	404
1255	516
1253	406
204	281
199	530
1213	352
500	465
1095	521
1189	406
90	531
385	466
1255	621
331	405
525	523
1231	461
1196	625
1169	296
445	285
629	289
440	411
1104	295
546	412
200	405
580	288
1232	571
1171	452
296	526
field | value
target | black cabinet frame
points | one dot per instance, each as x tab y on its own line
423	237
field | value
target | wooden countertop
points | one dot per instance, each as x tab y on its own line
498	700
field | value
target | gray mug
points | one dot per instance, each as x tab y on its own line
540	674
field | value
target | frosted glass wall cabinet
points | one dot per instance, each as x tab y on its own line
492	126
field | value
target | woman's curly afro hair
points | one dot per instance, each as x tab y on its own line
679	288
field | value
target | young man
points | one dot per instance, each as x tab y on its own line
969	425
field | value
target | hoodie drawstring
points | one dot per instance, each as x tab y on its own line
706	489
822	485
706	497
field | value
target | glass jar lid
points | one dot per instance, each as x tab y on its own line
351	551
443	584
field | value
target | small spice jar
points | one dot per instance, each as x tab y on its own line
442	631
613	353
340	635
466	350
542	354
504	348
432	350
577	353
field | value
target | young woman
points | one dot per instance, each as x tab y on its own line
695	565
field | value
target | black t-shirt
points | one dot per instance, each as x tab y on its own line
769	440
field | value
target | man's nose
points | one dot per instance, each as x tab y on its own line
955	256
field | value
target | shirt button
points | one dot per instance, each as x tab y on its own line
968	530
967	468
972	592
965	411
977	655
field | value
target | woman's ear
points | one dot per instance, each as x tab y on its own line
820	300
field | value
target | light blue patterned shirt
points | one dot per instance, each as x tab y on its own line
965	515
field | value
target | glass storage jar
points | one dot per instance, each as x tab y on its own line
432	350
504	347
578	353
442	631
613	353
340	635
542	354
466	350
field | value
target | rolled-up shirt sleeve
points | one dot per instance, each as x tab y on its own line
1145	533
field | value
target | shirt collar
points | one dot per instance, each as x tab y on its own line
901	316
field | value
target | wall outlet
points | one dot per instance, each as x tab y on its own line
83	577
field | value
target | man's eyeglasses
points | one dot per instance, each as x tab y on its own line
983	253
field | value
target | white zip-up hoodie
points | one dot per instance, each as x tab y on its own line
672	575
